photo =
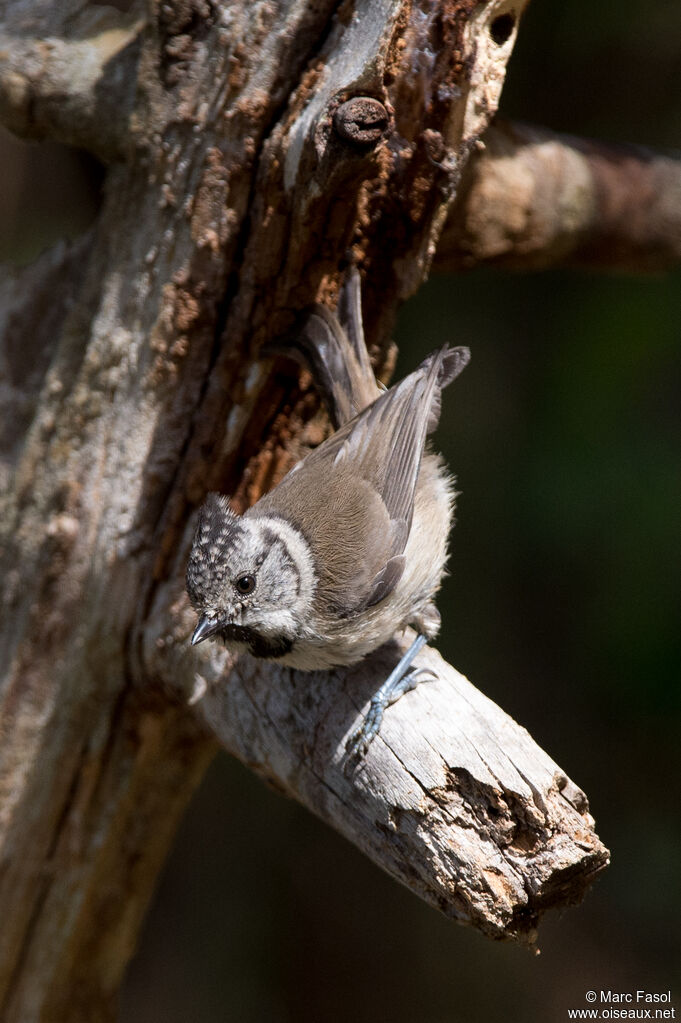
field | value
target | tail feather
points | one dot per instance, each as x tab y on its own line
333	348
453	361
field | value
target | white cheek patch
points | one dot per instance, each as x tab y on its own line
297	549
280	623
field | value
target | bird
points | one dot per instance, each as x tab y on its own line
351	546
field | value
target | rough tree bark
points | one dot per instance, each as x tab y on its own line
245	167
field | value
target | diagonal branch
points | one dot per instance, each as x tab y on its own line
532	199
454	799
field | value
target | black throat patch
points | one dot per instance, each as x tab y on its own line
269	647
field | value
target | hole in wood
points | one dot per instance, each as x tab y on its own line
501	28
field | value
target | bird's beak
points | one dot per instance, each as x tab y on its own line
207	627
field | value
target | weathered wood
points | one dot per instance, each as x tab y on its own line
232	203
68	72
532	199
454	798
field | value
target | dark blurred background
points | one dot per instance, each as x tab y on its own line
562	605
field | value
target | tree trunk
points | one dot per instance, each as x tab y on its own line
263	147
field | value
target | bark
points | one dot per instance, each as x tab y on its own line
453	798
68	72
532	199
242	178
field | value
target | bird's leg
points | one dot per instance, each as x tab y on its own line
399	682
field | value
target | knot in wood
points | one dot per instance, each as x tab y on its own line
361	120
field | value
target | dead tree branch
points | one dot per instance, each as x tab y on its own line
454	799
531	200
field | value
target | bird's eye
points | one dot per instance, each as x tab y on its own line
245	584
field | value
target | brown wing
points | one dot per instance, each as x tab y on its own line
384	444
346	524
376	458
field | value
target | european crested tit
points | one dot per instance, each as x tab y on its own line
351	546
